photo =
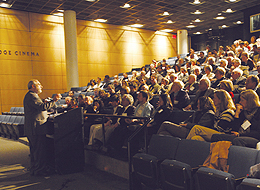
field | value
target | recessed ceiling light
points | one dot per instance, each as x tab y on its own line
228	11
238	22
165	13
5	5
137	25
197	12
197	33
170	22
92	0
58	14
196	2
191	26
100	20
219	17
126	6
166	30
60	10
197	20
232	1
223	26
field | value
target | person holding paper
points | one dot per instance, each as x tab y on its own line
246	124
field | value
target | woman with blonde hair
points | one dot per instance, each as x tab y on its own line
227	85
246	128
225	111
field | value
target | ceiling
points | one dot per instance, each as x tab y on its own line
146	12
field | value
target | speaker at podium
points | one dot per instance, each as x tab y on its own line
68	142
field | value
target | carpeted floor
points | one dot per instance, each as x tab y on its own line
14	160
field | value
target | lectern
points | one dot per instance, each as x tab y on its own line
68	142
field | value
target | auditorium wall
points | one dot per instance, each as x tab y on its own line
32	46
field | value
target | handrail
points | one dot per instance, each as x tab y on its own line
137	131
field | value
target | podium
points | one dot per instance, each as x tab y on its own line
68	142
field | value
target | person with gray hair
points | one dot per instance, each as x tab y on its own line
36	127
192	85
204	90
239	81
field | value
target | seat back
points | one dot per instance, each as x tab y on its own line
178	116
192	152
163	147
240	159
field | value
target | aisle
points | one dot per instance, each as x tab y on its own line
14	159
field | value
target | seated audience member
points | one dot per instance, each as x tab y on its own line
141	76
71	94
202	58
255	56
192	86
191	55
99	83
134	75
96	133
105	97
246	128
111	90
258	68
160	114
117	85
164	85
227	85
154	88
252	82
106	82
67	106
177	69
91	85
220	75
124	83
133	89
81	101
197	72
230	62
88	104
246	61
124	90
223	63
239	81
204	116
208	72
212	62
184	75
179	97
225	111
204	90
126	128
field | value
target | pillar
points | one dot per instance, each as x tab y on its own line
182	41
70	32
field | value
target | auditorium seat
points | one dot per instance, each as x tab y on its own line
17	127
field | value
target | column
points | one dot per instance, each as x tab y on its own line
182	41
70	32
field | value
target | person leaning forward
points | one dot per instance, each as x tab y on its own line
35	127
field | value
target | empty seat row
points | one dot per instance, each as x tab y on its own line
11	126
15	111
174	163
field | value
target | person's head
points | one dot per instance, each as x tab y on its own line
106	79
173	77
231	54
193	62
92	82
98	103
244	56
88	100
165	81
68	100
192	78
204	84
142	96
211	60
206	103
177	86
73	102
227	85
220	72
96	91
71	93
249	100
223	101
142	73
253	38
165	100
115	100
124	90
177	68
127	99
236	62
133	87
208	69
143	80
116	83
81	99
223	63
98	80
197	70
201	54
153	79
35	86
252	82
236	73
258	66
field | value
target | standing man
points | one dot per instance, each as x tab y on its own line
35	128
